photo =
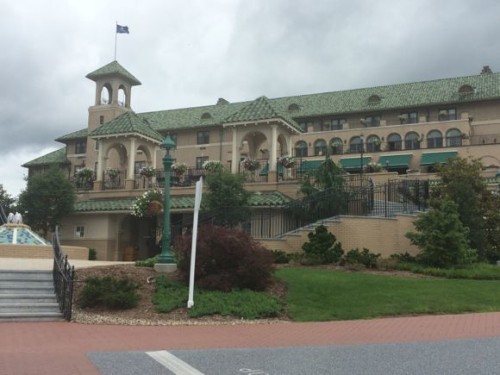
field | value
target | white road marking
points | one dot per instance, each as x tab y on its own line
174	364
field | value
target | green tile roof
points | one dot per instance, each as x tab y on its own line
432	158
113	69
126	124
338	103
54	157
259	199
79	134
395	161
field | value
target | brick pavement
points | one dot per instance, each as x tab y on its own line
59	348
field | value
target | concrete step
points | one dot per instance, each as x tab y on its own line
22	289
29	284
27	298
30	316
25	275
19	307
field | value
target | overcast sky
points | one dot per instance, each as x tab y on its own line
191	52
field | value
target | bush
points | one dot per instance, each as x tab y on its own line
321	248
109	292
403	257
365	258
281	257
226	259
150	262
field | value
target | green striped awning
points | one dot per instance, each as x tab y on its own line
354	164
310	165
395	161
264	171
437	157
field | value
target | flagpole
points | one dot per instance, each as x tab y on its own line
116	37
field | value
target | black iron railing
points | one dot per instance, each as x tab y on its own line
3	217
63	275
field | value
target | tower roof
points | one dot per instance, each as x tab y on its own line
113	69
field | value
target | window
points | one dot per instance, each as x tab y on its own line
101	120
138	165
373	144
337	146
200	160
434	139
81	147
412	141
394	142
332	124
203	137
372	121
408	118
301	149
303	126
97	145
320	147
80	231
447	114
453	138
356	145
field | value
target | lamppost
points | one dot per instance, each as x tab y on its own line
497	179
362	138
166	261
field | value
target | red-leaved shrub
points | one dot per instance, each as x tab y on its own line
226	259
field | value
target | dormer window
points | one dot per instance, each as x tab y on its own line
293	108
374	99
206	116
465	91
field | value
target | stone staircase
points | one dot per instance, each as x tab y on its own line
28	296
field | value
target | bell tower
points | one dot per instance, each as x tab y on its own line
112	95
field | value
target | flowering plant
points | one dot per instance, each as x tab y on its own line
113	172
250	165
85	173
179	168
373	167
212	166
147	171
286	161
144	205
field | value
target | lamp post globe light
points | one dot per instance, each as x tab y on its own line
166	261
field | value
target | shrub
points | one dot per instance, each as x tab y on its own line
226	259
149	262
403	257
109	292
321	247
281	257
365	257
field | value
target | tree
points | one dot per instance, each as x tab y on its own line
47	199
322	246
461	182
6	201
441	236
226	199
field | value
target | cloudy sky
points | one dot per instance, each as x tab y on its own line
191	52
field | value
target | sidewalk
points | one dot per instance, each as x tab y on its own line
46	264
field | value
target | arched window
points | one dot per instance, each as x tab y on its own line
301	149
293	107
355	144
319	147
374	99
394	142
434	139
337	146
106	94
206	116
453	138
412	141
465	92
122	97
373	143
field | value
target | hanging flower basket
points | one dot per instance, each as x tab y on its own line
85	173
148	204
179	168
113	173
286	161
212	166
147	172
251	165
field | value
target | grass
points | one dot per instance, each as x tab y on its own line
246	304
322	295
480	271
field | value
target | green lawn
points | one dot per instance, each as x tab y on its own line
322	295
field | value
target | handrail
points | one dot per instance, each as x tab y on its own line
3	217
63	275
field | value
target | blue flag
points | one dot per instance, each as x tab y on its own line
122	29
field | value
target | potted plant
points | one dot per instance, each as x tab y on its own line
212	166
113	173
373	167
85	174
147	171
